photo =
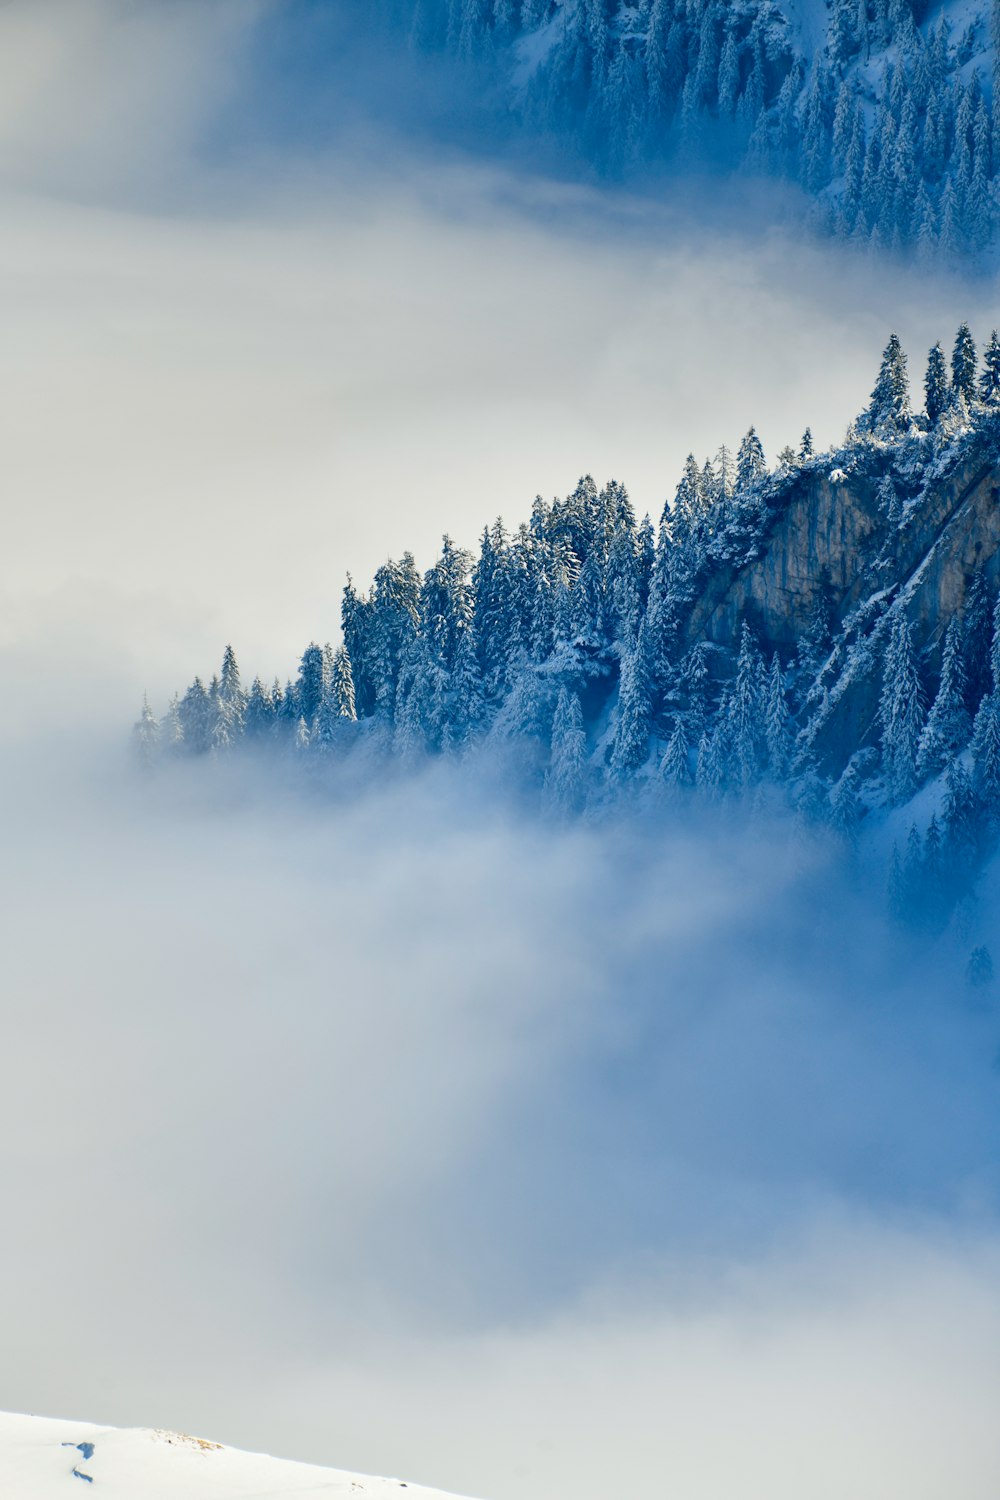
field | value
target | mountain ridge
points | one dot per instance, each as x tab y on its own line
885	112
828	628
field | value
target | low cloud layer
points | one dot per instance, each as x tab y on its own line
403	1133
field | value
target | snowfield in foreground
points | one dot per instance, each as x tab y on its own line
45	1459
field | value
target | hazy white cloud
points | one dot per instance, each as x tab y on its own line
227	382
403	1133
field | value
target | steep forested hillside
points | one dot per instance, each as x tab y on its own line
827	627
883	110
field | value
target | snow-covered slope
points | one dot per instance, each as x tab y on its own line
886	113
45	1459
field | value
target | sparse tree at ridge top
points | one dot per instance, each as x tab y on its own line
963	365
935	384
888	413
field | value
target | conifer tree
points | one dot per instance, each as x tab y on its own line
935	385
750	462
901	711
777	724
963	365
846	808
631	741
746	717
948	725
342	684
195	714
260	714
675	767
565	779
712	769
171	731
989	381
146	735
977	638
230	687
888	413
960	823
311	681
887	499
467	700
986	752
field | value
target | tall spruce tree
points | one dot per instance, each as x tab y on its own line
963	365
935	385
566	777
888	413
146	735
630	746
989	381
901	711
948	725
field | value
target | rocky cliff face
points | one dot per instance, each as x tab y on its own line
832	550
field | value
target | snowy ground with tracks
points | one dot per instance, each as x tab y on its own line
45	1459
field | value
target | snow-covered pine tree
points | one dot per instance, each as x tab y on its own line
675	766
986	752
467	706
948	726
901	711
887	499
747	728
630	746
995	648
977	637
195	714
989	381
846	807
146	735
888	412
960	820
935	384
712	772
230	687
751	465
310	684
778	733
566	777
342	684
260	711
963	365
171	731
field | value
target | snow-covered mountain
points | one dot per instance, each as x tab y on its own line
884	111
46	1459
826	627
